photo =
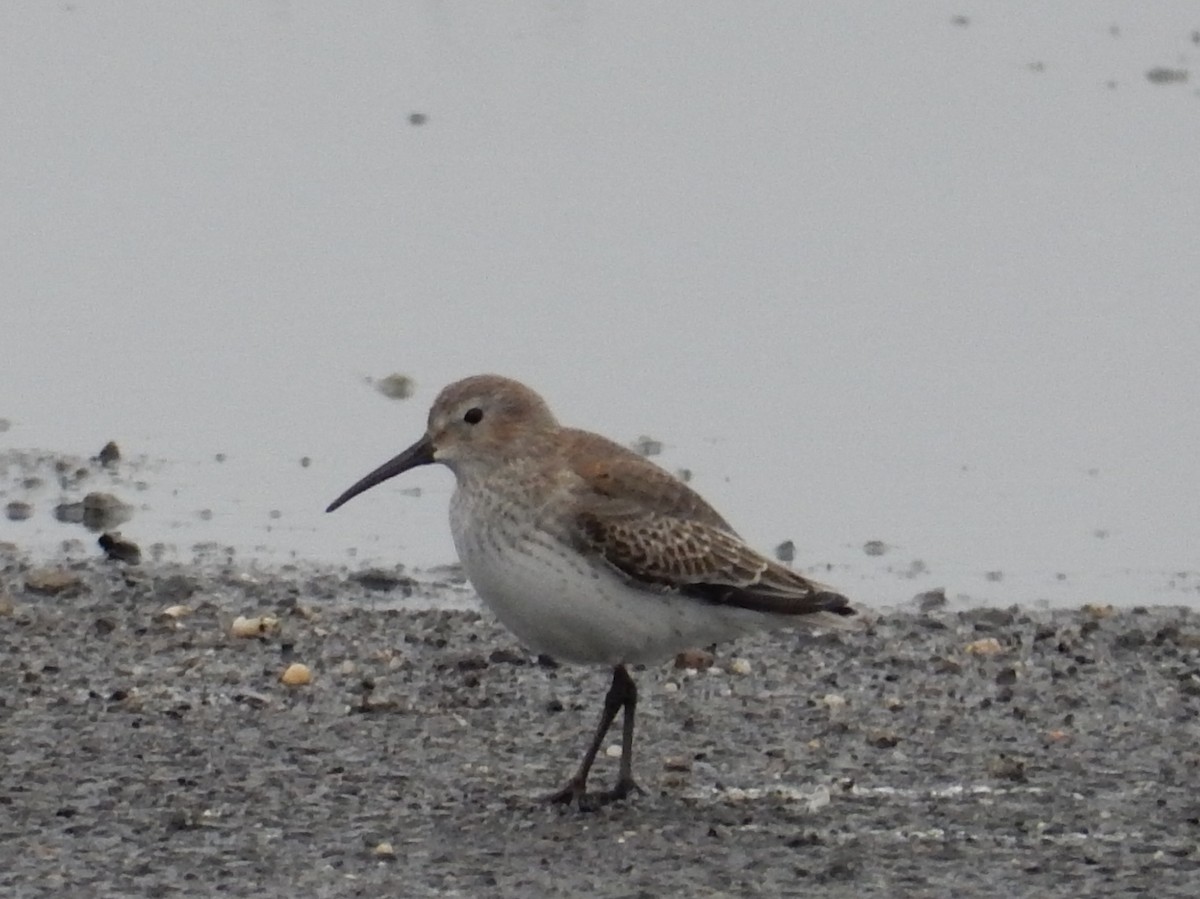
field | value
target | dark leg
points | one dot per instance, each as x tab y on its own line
625	783
621	694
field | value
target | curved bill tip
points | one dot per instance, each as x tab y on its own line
420	453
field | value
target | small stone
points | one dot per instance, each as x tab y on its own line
740	667
396	386
883	739
384	850
833	701
684	474
53	581
786	551
417	118
994	577
875	547
647	446
18	511
120	550
176	612
1005	767
988	646
1098	611
296	675
613	751
382	581
930	599
1164	75
103	510
110	454
507	657
677	763
695	659
258	626
893	704
305	461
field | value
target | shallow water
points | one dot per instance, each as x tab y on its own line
870	274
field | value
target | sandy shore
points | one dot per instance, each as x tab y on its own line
979	753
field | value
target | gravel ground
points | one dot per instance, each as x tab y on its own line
149	752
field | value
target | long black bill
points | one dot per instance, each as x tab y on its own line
420	453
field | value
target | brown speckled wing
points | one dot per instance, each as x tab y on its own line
661	535
609	470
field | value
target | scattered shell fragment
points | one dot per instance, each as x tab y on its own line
296	675
258	626
988	646
740	666
176	611
1098	611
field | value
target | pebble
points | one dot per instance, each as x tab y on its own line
1098	611
53	581
296	675
176	611
258	626
694	659
740	667
988	646
18	511
110	454
396	386
120	550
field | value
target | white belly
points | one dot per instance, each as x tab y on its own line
557	602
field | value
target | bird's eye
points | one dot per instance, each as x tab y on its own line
473	416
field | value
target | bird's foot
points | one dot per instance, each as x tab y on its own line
575	791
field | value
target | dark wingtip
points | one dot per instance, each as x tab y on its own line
833	602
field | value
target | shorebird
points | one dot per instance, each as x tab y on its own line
590	553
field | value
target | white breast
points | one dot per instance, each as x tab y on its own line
559	602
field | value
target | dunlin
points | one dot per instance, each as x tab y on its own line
590	553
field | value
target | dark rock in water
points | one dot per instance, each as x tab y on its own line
383	581
120	550
96	512
110	454
18	511
785	551
875	547
396	386
930	599
647	446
